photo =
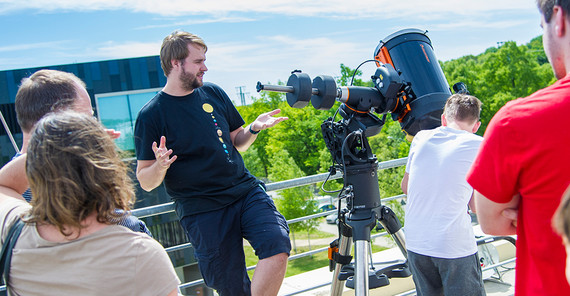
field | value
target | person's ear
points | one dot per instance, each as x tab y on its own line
559	17
175	63
443	120
476	126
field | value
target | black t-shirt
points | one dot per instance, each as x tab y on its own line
209	172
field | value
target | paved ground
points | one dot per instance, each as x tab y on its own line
300	284
499	281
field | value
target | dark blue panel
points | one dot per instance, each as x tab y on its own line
113	67
88	77
71	69
4	94
12	87
95	71
142	73
135	73
115	82
153	79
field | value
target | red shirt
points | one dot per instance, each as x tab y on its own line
526	151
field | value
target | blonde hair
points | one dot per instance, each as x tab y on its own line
462	107
74	169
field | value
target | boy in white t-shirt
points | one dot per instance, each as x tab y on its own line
442	251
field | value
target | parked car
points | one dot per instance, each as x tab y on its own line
326	208
332	218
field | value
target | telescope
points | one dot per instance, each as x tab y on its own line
408	84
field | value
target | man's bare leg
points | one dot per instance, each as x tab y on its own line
268	275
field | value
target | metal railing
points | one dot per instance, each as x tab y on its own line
303	181
167	208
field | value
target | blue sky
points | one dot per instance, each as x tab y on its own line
254	40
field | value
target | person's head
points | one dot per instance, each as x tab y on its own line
46	91
74	170
185	54
463	111
561	224
555	25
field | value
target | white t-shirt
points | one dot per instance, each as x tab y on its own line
437	223
111	261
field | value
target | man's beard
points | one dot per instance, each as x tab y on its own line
189	81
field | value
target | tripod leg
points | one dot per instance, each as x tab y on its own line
344	246
390	221
361	259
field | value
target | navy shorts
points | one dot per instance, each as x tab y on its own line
217	237
440	276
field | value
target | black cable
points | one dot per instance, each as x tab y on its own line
326	180
356	70
342	154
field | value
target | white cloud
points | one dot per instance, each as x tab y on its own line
478	24
32	46
243	64
277	54
179	24
115	50
381	9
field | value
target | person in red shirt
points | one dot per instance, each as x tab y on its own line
521	171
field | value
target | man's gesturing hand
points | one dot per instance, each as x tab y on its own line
162	154
266	120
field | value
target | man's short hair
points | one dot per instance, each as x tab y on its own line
561	218
462	107
545	7
175	47
43	92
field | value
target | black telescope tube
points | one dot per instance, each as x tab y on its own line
360	98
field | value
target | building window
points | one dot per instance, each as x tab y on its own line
119	111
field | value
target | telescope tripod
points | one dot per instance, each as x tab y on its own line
348	144
355	226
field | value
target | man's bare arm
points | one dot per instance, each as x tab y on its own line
404	184
151	173
471	203
13	175
492	217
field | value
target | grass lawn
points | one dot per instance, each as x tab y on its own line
303	264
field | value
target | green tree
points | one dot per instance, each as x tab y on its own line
350	77
301	137
501	74
257	157
293	202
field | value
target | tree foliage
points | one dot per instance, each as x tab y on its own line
501	74
295	147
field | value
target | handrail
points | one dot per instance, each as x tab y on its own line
302	181
169	207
